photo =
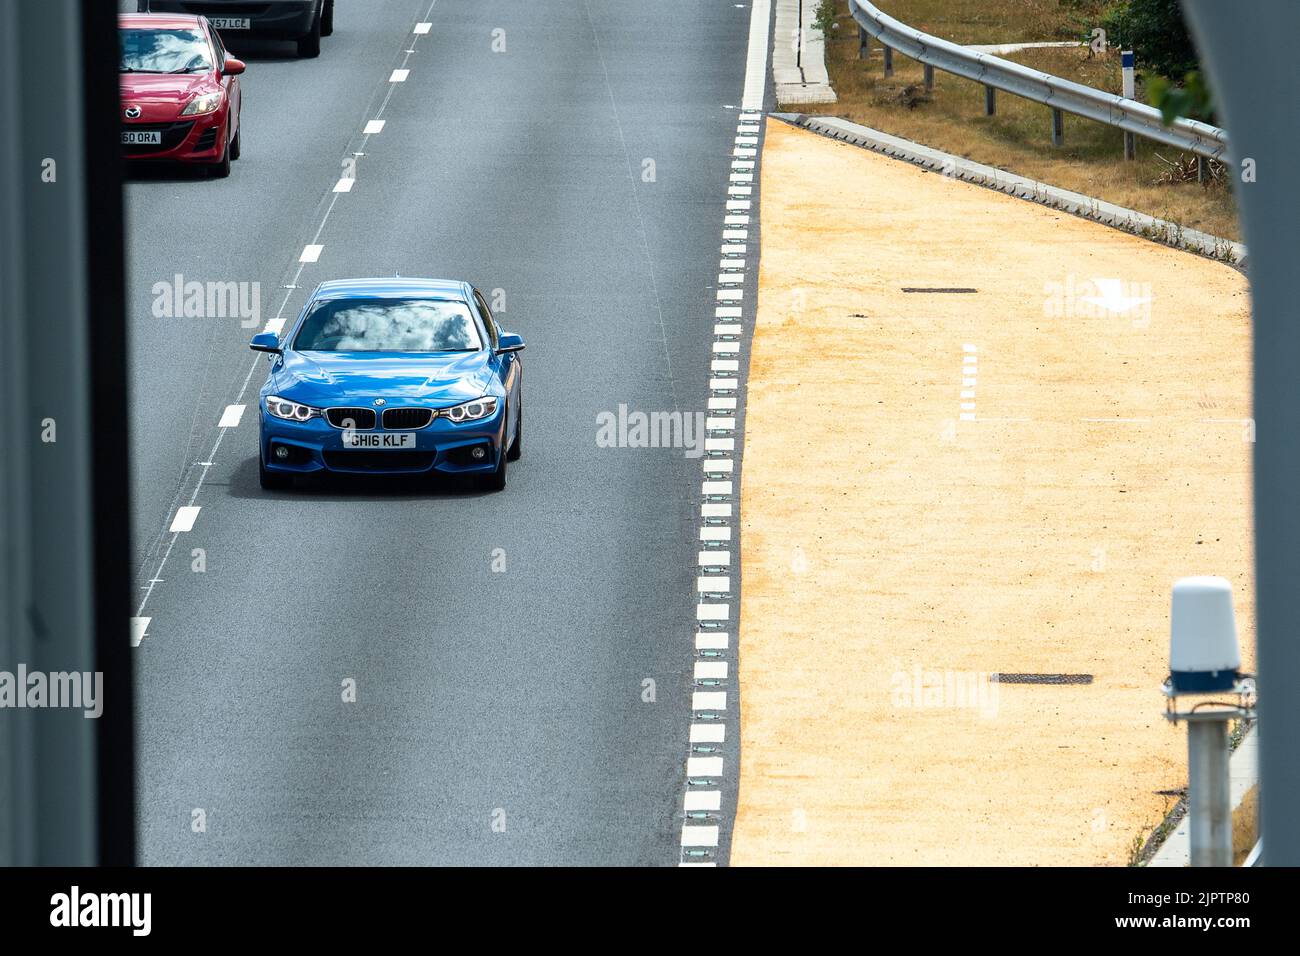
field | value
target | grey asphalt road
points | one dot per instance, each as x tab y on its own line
499	716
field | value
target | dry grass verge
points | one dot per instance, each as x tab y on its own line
1018	138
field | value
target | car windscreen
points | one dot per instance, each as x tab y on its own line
175	50
389	325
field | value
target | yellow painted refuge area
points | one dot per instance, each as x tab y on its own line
940	486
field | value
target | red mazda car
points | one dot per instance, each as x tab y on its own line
180	94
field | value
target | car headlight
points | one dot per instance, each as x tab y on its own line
472	411
207	103
291	411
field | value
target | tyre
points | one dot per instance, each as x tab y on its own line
309	46
271	480
327	19
497	480
221	168
517	446
235	147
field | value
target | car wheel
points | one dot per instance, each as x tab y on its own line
517	446
235	147
271	480
497	480
309	46
327	19
221	168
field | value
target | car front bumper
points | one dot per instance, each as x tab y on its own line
188	139
443	446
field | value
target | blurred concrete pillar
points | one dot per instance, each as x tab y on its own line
1247	49
66	782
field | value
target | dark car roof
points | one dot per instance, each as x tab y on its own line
394	286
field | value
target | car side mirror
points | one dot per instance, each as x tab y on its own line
509	342
266	342
233	67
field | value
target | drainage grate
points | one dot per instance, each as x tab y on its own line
1042	678
941	291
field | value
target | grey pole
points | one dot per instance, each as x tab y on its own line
1247	47
1209	809
990	100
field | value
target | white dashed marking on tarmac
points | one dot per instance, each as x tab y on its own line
702	800
231	416
185	518
275	325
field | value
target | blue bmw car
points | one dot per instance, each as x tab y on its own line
395	377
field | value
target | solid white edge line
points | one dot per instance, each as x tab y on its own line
760	15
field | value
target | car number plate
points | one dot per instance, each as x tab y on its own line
378	440
229	23
141	137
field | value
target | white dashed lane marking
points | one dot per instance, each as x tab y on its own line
702	799
707	700
185	518
700	836
231	416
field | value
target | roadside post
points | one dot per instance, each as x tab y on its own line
1205	662
1130	90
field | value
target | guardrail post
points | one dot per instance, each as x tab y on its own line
929	78
990	101
1202	169
889	61
1058	128
864	43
